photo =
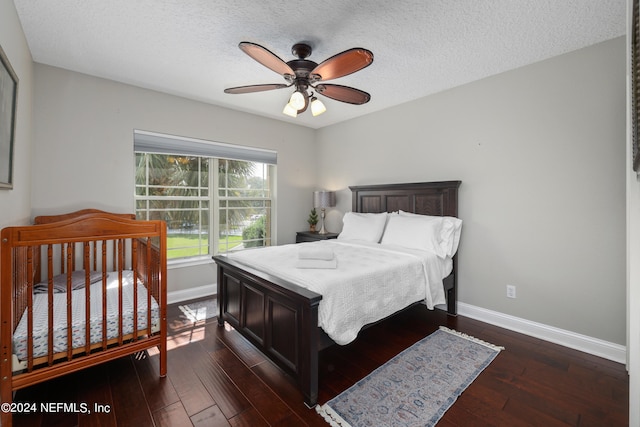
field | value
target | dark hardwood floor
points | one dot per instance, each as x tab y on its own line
217	379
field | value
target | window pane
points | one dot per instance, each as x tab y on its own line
245	208
174	188
204	178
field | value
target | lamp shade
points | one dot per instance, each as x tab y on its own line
324	199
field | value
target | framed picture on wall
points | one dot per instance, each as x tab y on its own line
8	101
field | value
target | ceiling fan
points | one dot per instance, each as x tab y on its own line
308	76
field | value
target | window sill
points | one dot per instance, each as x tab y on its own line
189	262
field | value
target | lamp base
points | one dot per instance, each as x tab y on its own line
322	229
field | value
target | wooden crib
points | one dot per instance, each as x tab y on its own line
75	272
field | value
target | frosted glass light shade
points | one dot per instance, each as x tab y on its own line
317	107
297	101
290	111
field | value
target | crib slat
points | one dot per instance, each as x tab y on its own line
95	255
134	267
104	296
150	279
120	290
87	298
30	309
50	304
19	293
69	302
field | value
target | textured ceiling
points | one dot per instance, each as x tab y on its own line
190	47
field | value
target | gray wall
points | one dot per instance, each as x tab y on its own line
15	205
83	149
540	151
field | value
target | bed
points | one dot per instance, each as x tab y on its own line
281	317
99	275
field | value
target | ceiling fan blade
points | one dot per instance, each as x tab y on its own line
343	93
266	58
343	64
255	88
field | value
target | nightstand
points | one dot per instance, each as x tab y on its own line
312	236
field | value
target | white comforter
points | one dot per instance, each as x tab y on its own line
370	283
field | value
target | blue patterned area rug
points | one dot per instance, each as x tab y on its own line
416	387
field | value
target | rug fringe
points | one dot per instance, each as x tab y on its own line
331	416
470	338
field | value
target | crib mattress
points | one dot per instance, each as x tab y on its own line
78	316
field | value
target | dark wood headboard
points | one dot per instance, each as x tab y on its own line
426	198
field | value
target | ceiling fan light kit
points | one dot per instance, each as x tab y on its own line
305	75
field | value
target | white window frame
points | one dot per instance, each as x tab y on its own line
155	143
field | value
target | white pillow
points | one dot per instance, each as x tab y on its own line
415	233
366	227
455	238
449	231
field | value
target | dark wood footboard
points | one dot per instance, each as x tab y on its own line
280	319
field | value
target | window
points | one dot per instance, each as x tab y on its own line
206	213
244	204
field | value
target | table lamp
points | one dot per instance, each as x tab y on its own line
323	200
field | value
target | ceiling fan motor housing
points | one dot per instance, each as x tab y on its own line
301	50
301	66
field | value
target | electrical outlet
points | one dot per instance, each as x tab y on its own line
511	291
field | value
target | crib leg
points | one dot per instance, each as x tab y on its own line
6	396
5	415
5	419
163	358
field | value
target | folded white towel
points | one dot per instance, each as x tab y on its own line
317	263
315	252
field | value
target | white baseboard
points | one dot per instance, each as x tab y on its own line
597	347
191	293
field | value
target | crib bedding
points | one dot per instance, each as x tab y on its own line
390	278
40	316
